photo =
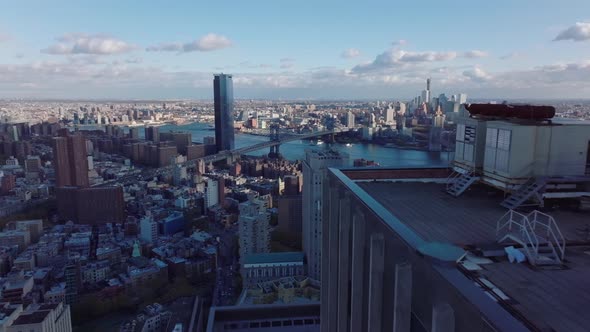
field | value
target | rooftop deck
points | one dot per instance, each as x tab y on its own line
466	220
551	298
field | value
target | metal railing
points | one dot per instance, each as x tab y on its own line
552	233
520	223
452	179
455	176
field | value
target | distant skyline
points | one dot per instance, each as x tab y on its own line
296	50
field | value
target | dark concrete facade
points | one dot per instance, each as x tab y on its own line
374	279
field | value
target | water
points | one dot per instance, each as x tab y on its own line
296	149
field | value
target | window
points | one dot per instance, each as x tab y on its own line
497	154
504	139
460	132
492	137
469	134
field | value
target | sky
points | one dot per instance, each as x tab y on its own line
301	49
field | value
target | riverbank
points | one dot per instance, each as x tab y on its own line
295	150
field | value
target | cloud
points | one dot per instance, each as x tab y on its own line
512	55
134	60
394	58
426	56
350	53
249	65
4	37
78	43
287	63
400	42
207	43
477	74
578	32
474	54
89	76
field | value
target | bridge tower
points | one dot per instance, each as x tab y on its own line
274	137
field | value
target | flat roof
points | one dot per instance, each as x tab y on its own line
32	318
469	219
551	298
274	257
271	317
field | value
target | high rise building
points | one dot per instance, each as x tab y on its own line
425	97
390	115
69	155
314	170
211	193
254	227
462	98
350	119
152	133
224	111
148	229
290	214
402	108
32	164
72	278
134	132
38	317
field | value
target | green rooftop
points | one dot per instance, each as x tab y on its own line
274	257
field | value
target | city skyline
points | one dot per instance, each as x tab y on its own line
319	52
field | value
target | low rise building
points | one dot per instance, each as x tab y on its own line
19	238
258	268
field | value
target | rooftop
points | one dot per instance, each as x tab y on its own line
275	257
32	318
423	212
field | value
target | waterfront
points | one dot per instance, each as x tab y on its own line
296	150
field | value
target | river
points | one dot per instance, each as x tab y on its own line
296	149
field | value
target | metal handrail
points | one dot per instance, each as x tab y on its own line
454	176
525	228
553	231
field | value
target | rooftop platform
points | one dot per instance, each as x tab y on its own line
275	257
555	298
466	220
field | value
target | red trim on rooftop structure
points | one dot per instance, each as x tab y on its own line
530	112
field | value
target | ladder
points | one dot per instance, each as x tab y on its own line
537	233
457	182
531	189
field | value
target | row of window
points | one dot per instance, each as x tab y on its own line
273	272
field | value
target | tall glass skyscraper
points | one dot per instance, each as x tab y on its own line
224	111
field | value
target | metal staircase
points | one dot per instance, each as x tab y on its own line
531	189
537	233
457	182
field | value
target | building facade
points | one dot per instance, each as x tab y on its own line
254	228
69	157
271	266
314	171
43	318
224	112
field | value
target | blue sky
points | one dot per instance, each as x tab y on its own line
296	49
